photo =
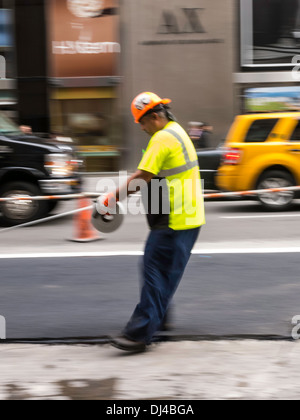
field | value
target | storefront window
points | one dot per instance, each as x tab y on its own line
8	95
92	125
7	70
270	32
84	52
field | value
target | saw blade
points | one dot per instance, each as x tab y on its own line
108	223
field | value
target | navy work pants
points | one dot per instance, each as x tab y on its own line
166	255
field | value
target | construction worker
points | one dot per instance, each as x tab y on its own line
170	161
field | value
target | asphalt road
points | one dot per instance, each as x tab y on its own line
230	225
243	278
245	294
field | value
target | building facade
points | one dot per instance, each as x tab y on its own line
267	74
183	50
73	67
84	76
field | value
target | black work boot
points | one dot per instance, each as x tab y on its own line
124	343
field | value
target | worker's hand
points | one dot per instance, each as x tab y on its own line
106	204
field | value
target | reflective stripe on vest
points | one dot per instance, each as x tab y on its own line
182	168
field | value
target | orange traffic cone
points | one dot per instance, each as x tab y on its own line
84	231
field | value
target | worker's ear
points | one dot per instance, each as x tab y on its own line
154	116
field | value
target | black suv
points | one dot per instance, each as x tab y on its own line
32	166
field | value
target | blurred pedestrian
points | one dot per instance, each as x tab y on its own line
200	133
170	159
207	130
195	132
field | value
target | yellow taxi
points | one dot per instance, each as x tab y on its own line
262	151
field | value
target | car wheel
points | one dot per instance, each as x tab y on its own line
22	211
276	201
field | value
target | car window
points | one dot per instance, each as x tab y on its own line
7	126
260	130
296	134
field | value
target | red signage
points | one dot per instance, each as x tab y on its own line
83	38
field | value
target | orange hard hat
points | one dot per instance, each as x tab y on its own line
144	102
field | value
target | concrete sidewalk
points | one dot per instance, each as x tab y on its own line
191	370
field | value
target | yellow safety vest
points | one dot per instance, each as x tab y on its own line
172	158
